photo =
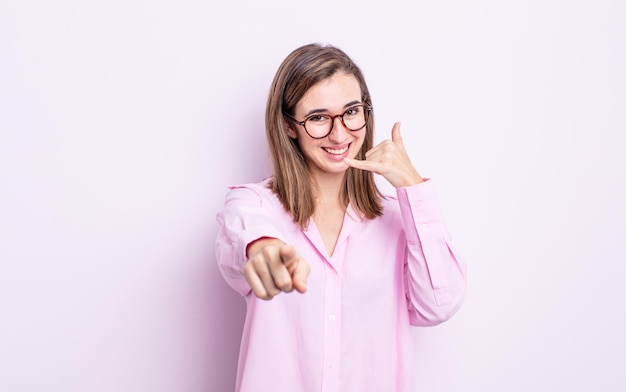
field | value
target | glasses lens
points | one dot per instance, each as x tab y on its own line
355	118
318	126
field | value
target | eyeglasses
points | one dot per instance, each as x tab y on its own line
318	126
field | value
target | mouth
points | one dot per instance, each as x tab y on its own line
337	151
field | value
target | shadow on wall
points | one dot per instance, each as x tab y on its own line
242	157
223	318
223	314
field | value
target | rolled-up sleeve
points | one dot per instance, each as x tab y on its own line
244	218
435	275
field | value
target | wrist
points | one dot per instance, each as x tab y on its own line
411	180
255	246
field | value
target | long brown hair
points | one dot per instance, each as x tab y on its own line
291	182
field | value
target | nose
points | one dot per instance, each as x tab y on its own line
338	131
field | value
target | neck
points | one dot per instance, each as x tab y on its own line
328	190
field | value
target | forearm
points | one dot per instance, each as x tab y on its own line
434	272
242	222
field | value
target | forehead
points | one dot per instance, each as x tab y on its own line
331	94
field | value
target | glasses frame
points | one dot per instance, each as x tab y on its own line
367	110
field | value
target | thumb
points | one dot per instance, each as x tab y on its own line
297	267
300	276
288	256
395	134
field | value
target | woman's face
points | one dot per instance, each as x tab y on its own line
330	96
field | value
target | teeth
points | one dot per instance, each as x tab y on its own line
336	152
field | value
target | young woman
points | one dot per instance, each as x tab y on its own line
366	267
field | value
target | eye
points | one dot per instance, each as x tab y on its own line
317	118
353	111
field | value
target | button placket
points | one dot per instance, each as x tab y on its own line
332	338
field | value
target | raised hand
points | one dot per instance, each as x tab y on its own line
390	160
275	267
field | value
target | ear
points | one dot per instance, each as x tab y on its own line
290	131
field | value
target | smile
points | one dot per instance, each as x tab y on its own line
335	151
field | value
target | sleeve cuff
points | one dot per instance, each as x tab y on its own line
420	211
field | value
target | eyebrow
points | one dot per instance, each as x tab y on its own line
317	111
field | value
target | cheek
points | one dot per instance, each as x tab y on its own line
361	146
306	146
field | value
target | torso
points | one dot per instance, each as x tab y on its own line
329	223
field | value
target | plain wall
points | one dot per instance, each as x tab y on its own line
122	123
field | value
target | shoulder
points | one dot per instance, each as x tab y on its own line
260	188
254	193
389	202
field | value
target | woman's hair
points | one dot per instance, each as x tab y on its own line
301	70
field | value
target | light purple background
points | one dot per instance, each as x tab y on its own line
122	122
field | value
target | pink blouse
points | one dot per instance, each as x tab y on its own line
351	330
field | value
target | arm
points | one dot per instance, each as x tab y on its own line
249	249
435	275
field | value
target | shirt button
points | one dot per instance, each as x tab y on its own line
331	318
423	226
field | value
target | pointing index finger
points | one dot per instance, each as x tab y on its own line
288	255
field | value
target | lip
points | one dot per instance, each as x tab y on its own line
337	153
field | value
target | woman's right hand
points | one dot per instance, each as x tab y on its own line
274	266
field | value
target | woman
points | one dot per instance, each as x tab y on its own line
367	266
